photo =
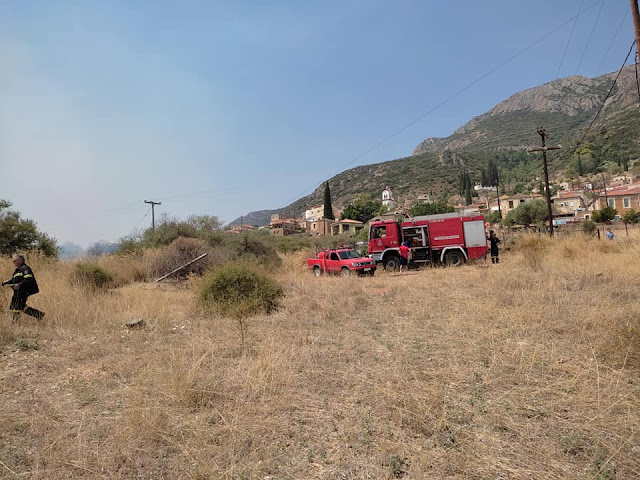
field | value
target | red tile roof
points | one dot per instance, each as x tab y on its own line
621	192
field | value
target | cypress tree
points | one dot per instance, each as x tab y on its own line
580	169
467	193
328	209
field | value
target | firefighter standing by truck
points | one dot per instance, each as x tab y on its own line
24	285
494	242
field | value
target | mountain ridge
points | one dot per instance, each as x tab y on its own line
565	107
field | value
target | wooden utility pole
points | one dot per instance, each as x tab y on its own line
498	195
543	136
604	185
153	213
636	21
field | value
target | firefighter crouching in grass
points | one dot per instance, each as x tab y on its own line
23	284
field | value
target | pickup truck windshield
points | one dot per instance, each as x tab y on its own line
347	254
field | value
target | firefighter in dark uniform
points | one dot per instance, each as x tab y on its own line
23	284
494	242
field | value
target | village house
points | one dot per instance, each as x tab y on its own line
511	202
572	201
622	199
320	227
284	226
314	213
243	228
346	227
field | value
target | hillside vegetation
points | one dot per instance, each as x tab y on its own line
528	369
565	107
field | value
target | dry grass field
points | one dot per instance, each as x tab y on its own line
524	370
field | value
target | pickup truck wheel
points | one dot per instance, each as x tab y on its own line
345	272
391	262
453	258
317	271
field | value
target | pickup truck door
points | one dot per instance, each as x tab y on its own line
333	263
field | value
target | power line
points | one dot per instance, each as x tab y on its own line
613	40
637	79
137	224
605	98
593	28
566	47
451	97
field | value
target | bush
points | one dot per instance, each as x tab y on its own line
605	215
18	234
92	275
589	227
252	248
632	217
238	291
181	251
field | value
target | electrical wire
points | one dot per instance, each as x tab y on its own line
566	47
450	98
593	28
137	224
615	80
637	79
613	40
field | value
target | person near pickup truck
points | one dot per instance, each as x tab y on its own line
494	242
405	251
23	284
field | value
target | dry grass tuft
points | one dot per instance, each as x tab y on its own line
519	370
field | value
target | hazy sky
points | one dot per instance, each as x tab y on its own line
222	107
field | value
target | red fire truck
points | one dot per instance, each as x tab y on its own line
449	238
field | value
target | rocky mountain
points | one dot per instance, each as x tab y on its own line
565	107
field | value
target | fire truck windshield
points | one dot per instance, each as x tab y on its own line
347	254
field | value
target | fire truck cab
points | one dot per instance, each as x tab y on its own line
450	239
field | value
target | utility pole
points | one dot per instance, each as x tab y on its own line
498	194
543	136
604	185
635	13
153	213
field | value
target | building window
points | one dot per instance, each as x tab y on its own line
571	204
612	202
587	216
626	202
510	203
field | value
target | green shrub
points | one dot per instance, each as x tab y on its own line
92	275
589	227
251	248
631	217
605	215
238	291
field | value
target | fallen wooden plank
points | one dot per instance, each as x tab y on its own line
180	268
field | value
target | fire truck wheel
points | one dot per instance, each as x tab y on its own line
317	271
453	258
391	262
345	272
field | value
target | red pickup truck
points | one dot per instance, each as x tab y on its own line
342	261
